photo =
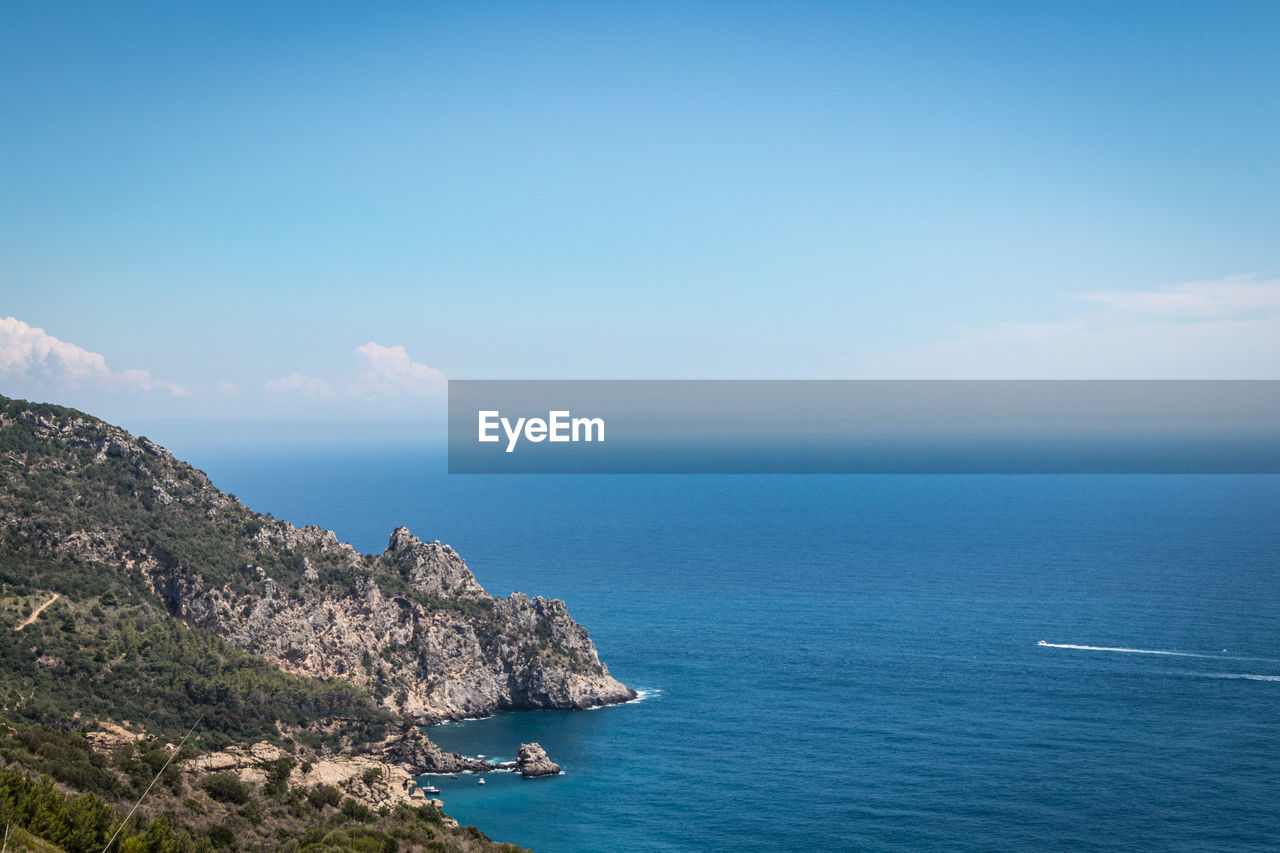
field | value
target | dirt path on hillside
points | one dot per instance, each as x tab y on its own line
36	613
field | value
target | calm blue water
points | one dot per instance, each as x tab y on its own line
852	663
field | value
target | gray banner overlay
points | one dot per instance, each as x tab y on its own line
863	427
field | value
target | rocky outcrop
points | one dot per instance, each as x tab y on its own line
418	754
364	778
110	735
431	568
412	624
245	761
532	762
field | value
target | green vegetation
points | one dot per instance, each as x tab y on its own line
67	758
74	824
108	648
155	507
226	788
40	764
136	664
323	795
278	779
43	818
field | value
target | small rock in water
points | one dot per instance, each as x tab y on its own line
532	761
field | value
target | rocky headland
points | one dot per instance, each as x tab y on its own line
412	625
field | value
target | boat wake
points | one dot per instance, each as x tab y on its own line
1124	650
1247	676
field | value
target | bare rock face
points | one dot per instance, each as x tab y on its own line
532	761
434	649
110	735
431	568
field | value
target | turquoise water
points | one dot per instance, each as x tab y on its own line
853	663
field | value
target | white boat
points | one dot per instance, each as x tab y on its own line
481	780
1042	643
431	789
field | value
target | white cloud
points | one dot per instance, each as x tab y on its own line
383	375
388	372
34	359
1227	329
297	383
382	380
1240	297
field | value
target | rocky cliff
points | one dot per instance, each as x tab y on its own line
414	626
411	625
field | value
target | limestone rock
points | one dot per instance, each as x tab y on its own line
431	568
441	650
365	778
418	754
111	735
532	761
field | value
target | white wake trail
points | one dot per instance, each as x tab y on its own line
1249	676
1122	649
1128	651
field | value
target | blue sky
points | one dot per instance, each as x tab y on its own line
234	200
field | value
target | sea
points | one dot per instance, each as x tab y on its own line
893	663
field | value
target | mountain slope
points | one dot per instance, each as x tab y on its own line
411	625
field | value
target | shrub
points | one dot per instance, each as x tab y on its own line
221	836
356	811
278	775
226	788
324	795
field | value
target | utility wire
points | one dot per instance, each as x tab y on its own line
112	839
